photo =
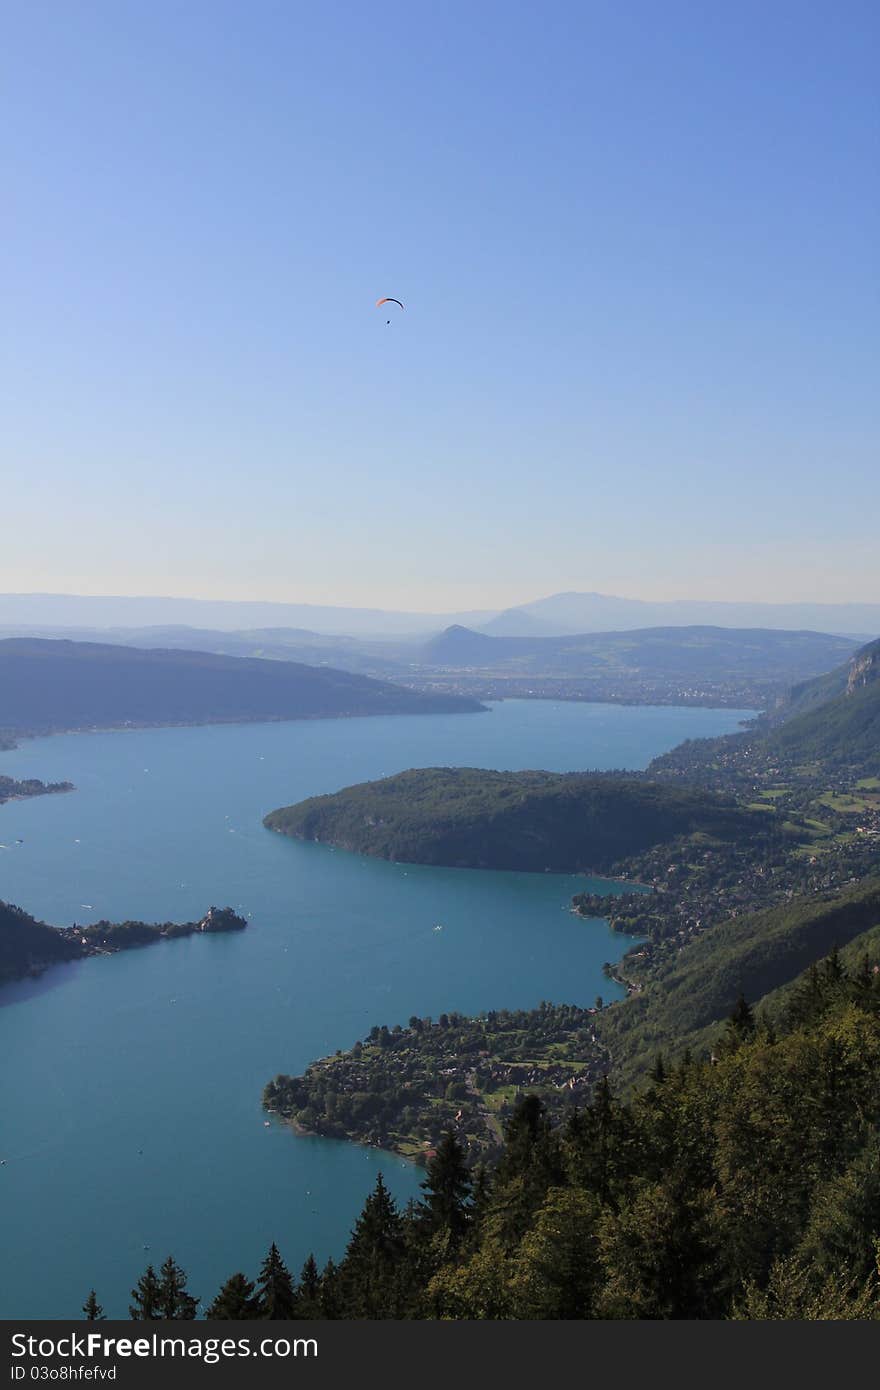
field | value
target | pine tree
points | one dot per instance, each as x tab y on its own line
832	967
447	1187
276	1293
377	1229
176	1303
373	1252
599	1143
845	1218
420	1255
661	1253
146	1297
480	1197
741	1021
308	1293
92	1308
807	1002
530	1165
657	1074
555	1271
864	981
236	1300
331	1293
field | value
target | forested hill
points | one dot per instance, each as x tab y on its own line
753	954
28	947
808	694
50	685
843	730
469	817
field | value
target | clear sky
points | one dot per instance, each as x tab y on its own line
638	246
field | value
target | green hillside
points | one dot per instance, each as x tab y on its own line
753	955
840	731
781	1007
808	695
472	818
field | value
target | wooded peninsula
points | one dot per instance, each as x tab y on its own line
541	821
28	947
13	789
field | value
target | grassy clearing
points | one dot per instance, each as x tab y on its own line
846	804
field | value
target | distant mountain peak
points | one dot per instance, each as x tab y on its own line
454	645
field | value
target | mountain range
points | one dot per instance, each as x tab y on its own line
28	612
563	614
556	615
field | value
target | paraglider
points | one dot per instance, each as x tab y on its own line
387	300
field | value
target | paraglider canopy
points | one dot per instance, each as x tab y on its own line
387	300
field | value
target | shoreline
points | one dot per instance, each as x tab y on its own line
302	1132
136	726
751	712
47	790
493	1057
590	874
129	725
110	941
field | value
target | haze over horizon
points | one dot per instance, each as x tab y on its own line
154	619
472	603
638	252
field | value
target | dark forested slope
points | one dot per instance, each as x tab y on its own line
47	685
469	817
751	955
28	946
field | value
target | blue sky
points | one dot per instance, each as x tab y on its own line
638	246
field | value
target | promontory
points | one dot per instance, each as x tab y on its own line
537	821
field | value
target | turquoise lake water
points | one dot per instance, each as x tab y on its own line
130	1116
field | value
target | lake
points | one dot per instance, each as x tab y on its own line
130	1116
